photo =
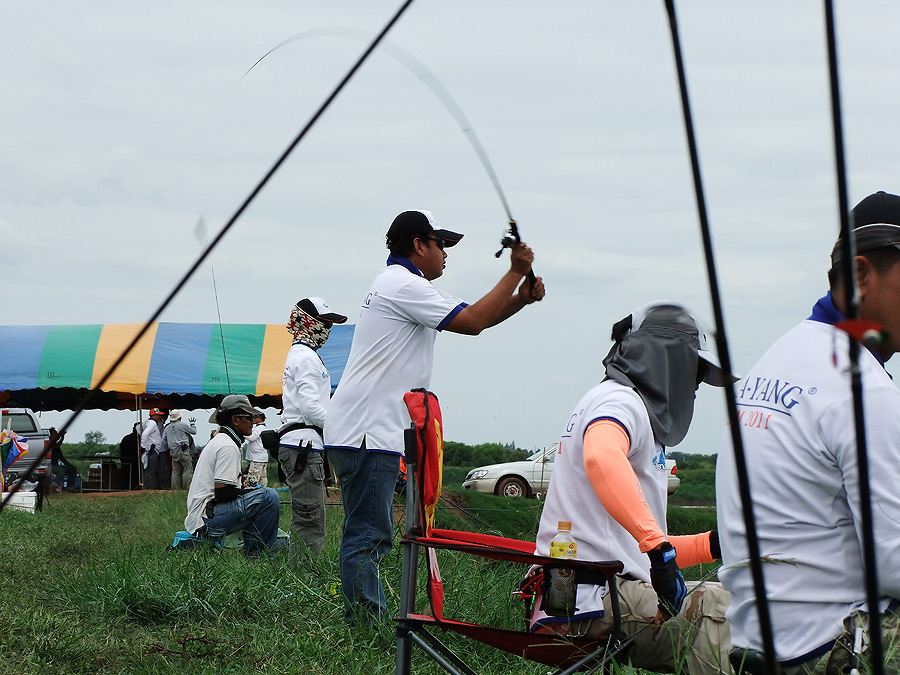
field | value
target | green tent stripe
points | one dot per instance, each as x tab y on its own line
243	349
68	356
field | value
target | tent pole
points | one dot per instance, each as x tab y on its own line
140	464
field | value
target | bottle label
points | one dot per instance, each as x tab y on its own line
562	549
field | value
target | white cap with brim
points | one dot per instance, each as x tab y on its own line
234	402
318	308
716	376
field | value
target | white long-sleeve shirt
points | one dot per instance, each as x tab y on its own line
306	392
151	435
253	447
796	417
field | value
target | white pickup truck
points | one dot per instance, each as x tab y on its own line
25	423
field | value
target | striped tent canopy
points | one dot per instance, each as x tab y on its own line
178	365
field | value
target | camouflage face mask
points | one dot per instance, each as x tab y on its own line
308	329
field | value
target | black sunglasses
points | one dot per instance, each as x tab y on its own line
439	242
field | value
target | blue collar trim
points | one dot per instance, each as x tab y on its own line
405	262
301	342
824	311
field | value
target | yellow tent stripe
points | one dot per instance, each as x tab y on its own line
276	344
131	375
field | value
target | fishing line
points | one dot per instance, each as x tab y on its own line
762	603
221	332
852	308
92	394
417	68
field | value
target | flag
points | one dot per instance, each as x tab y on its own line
12	446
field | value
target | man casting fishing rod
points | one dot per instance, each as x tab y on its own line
392	352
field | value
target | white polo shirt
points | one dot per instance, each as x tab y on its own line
220	462
796	418
571	496
392	352
306	392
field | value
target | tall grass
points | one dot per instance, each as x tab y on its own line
89	587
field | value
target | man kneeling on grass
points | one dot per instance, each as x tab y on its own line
217	506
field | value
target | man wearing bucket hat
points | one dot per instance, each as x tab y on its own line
177	439
153	452
306	392
392	352
216	504
609	481
798	432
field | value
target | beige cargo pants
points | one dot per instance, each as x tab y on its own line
697	641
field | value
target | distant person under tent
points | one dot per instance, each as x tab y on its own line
129	446
63	475
178	440
256	454
153	452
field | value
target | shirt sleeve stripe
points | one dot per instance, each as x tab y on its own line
447	319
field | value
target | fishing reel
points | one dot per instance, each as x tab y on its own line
510	238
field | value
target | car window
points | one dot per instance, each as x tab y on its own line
18	422
550	457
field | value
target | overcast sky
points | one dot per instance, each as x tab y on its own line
123	124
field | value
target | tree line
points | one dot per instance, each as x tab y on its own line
455	453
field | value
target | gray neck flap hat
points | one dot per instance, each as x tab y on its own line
661	352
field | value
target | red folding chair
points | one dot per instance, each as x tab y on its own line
424	460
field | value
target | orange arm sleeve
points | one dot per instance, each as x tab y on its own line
693	549
606	463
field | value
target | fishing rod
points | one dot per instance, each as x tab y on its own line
221	332
92	394
852	313
511	236
762	603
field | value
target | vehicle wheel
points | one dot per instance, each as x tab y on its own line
512	487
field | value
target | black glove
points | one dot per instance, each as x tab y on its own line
715	549
666	578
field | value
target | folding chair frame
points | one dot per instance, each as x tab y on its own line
567	654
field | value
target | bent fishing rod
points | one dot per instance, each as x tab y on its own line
92	394
511	237
762	604
848	253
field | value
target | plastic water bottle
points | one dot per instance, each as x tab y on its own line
561	587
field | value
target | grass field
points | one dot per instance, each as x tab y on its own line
90	587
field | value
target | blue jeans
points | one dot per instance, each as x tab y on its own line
256	513
367	482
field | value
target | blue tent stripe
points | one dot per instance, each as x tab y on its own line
179	358
20	355
334	353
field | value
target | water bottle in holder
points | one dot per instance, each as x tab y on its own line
561	588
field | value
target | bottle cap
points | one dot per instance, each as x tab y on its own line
564	525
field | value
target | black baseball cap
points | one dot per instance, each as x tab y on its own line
875	223
411	224
318	308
